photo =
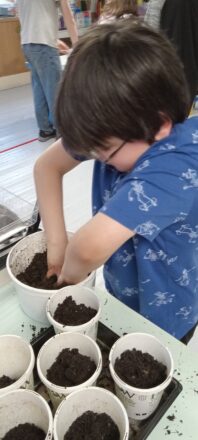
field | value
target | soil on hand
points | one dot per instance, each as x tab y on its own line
5	381
71	368
35	274
70	313
25	431
93	426
139	369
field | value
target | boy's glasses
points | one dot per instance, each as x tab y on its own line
95	155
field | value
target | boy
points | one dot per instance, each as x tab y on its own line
123	102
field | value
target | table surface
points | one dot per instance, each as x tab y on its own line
121	319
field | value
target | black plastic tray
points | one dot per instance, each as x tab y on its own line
106	337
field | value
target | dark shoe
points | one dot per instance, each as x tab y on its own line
45	136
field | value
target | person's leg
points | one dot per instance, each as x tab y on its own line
187	337
41	106
49	71
33	54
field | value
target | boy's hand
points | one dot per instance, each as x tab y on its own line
72	274
55	258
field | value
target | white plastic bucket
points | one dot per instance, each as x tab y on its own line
32	300
93	399
81	295
16	361
140	403
25	406
49	352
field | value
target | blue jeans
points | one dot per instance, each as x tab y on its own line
45	67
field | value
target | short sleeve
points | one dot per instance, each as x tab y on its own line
150	201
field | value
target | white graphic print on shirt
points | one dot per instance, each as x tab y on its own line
184	279
184	312
145	202
192	176
191	233
167	147
125	257
195	137
147	228
159	255
162	298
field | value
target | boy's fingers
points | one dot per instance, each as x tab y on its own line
52	271
60	280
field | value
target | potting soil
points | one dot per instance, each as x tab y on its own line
139	369
25	431
93	426
70	368
35	274
5	381
70	313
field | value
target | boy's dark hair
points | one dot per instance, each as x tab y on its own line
122	79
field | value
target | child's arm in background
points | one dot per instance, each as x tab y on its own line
69	20
49	170
91	246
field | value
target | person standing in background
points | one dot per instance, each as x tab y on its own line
153	13
39	39
178	19
115	9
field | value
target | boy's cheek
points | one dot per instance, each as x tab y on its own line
122	165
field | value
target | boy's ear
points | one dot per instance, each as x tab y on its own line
164	130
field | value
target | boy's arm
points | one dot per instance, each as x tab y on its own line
49	170
69	20
92	246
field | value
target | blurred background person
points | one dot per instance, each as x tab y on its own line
39	39
115	9
179	21
153	13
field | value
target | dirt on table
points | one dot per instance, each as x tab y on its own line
70	313
139	369
93	426
25	431
35	274
5	381
71	368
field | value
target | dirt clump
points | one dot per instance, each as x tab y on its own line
35	275
70	368
25	431
93	426
70	313
139	369
5	381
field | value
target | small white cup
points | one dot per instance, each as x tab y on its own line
25	406
140	403
31	299
17	362
93	399
81	295
50	351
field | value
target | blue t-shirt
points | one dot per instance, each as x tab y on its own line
156	272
